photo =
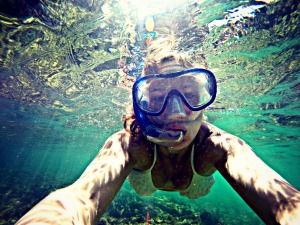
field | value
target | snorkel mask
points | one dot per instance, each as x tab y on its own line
196	88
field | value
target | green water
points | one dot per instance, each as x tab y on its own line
61	97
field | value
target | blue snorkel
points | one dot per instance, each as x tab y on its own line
152	132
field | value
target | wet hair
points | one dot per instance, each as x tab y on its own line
159	53
130	123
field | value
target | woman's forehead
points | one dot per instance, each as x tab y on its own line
170	67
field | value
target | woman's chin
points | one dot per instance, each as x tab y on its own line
176	147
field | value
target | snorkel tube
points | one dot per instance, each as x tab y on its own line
152	132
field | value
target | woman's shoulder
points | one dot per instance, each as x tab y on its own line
212	144
209	130
214	134
139	148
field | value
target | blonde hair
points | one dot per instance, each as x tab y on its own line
164	50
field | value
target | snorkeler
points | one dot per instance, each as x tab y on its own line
165	145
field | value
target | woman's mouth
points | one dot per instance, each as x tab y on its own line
176	128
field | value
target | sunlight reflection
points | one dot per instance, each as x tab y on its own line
147	8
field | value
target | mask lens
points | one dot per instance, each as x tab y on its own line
196	90
151	95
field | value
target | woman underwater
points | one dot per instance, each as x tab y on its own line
165	145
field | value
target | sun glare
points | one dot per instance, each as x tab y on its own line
146	8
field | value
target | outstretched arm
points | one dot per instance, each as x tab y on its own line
273	199
85	201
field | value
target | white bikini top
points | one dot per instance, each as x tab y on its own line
141	181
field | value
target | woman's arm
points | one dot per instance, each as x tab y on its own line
85	201
273	199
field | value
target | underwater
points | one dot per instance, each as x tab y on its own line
66	72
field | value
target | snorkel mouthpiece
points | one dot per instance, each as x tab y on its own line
163	137
153	133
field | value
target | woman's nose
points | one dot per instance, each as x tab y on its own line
175	108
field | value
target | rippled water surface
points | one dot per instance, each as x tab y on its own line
66	68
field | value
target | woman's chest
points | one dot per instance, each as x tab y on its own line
172	175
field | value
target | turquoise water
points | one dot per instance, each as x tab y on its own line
61	97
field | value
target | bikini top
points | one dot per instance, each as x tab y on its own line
141	181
